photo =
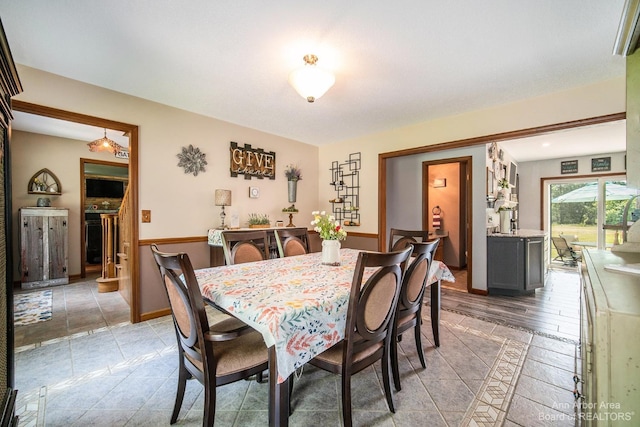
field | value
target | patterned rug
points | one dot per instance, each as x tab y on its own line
32	307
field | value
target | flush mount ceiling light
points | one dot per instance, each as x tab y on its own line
105	144
310	81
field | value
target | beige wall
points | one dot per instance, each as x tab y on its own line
31	152
599	99
182	205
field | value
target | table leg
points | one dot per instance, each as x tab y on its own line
435	312
278	394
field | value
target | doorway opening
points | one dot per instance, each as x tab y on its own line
103	185
445	211
588	212
130	282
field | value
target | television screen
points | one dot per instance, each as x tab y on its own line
513	173
105	188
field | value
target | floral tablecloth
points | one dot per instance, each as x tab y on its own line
296	303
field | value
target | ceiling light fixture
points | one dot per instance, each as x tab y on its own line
105	144
310	81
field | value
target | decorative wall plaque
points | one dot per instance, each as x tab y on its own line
252	162
601	164
570	166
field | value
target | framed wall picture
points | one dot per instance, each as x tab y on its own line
490	181
513	173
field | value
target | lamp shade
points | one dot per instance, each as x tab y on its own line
105	144
310	81
223	197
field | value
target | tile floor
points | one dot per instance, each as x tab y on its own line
77	308
124	374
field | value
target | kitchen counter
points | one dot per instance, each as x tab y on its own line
523	233
516	265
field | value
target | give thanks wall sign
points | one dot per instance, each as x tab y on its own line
252	162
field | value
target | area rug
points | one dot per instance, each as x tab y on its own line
32	307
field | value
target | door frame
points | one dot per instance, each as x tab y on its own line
464	195
545	200
462	143
132	132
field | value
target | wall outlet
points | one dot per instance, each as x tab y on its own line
146	216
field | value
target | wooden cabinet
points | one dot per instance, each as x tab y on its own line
515	264
44	247
609	347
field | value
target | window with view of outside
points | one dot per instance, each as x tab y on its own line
574	212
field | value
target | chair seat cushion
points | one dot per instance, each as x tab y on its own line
333	356
403	320
244	352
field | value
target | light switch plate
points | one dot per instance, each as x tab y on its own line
254	192
146	216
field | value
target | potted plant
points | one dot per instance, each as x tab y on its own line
259	221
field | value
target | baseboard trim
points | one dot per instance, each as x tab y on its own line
155	314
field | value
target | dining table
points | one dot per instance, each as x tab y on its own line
299	305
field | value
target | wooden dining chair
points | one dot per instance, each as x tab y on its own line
292	241
409	310
245	246
215	355
399	239
369	327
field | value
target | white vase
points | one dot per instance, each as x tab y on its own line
331	252
505	221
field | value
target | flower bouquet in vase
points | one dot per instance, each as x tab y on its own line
331	233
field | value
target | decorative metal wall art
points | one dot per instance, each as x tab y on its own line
192	160
345	179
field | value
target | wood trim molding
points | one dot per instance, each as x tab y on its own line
155	314
132	132
173	240
197	239
504	136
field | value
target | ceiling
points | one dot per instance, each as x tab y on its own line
396	63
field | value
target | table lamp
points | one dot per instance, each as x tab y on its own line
223	198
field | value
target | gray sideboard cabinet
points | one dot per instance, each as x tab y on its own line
515	263
44	243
